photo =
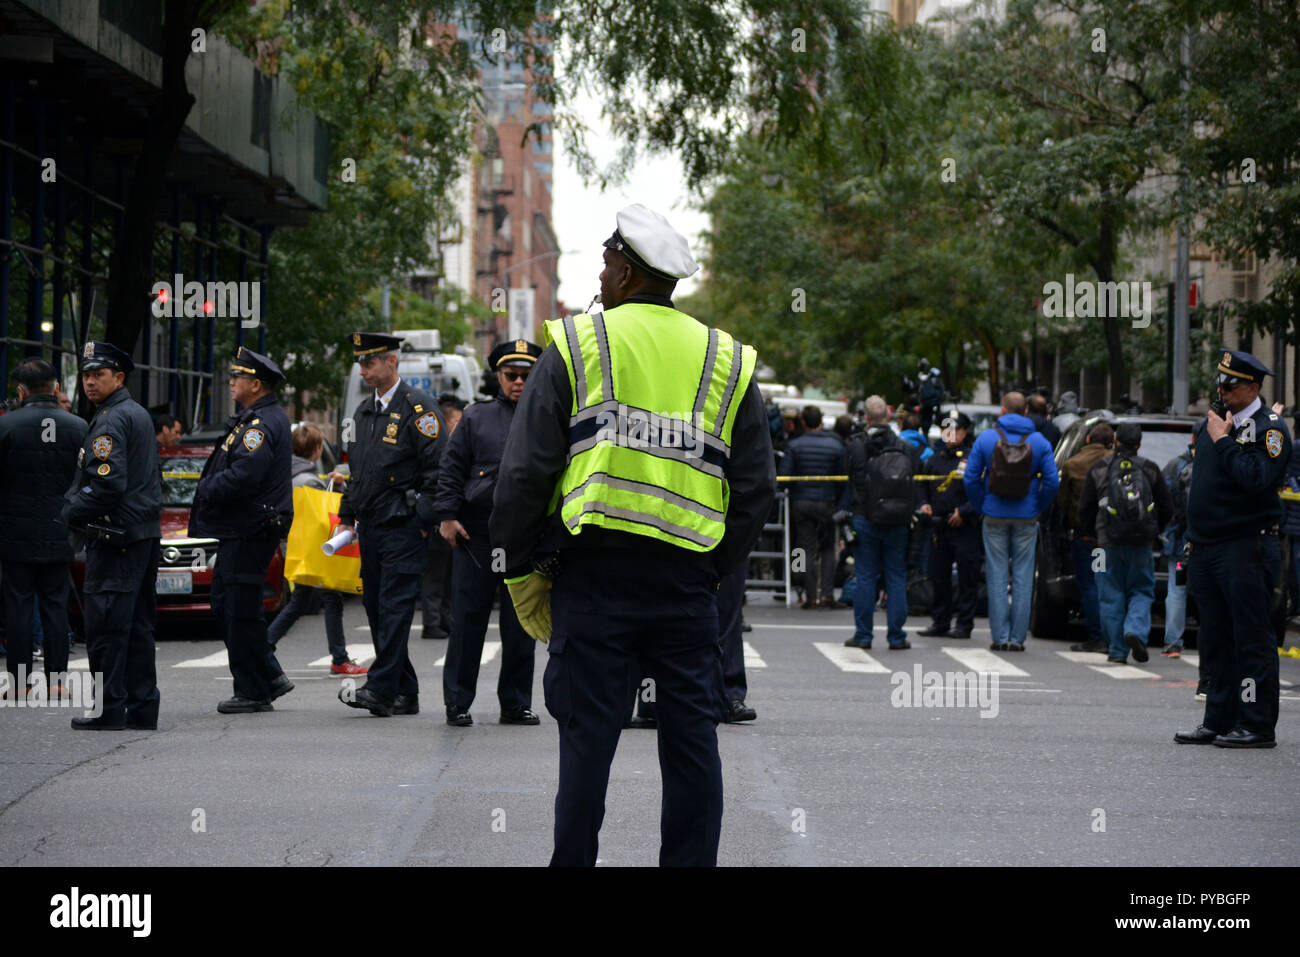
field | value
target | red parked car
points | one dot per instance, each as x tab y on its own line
185	565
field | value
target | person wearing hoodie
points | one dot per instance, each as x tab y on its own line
1011	486
308	443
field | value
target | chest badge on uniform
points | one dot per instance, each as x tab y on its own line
104	469
391	429
102	447
253	439
1273	442
428	425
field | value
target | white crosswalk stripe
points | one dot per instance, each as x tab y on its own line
752	657
853	660
218	659
1190	658
361	654
985	662
1109	669
490	649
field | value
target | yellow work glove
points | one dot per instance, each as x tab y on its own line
531	595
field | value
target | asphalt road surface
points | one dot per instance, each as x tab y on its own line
1070	762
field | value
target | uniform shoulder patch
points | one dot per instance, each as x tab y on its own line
1273	442
428	425
104	469
102	446
253	439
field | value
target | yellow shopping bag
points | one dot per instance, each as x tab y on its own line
315	519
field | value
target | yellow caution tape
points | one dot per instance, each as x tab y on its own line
182	475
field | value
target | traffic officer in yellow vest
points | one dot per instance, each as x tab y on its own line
637	473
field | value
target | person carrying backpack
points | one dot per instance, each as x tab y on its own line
1128	502
883	497
1011	478
1178	476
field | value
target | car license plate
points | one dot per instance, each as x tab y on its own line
175	583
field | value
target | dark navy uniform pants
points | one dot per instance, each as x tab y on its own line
392	563
238	578
965	547
121	608
1233	585
473	589
613	610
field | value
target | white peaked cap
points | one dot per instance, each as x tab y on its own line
649	241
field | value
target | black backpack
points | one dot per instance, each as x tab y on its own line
1126	512
890	497
1012	473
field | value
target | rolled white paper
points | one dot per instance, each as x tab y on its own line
345	537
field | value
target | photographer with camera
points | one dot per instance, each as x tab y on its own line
245	501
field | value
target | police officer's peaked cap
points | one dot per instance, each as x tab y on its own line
650	243
104	355
372	343
516	352
250	363
956	419
1241	366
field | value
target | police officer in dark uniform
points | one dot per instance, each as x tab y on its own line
955	534
1233	510
608	598
245	501
116	501
389	500
466	481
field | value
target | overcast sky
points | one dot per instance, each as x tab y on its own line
583	216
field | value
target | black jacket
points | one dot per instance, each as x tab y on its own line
862	448
953	498
537	451
118	481
1235	480
468	475
393	452
246	481
38	459
1095	486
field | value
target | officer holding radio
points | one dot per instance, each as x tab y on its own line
389	501
245	501
1233	511
116	502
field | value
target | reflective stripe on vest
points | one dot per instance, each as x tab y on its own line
649	437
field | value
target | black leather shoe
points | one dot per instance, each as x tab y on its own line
641	723
1135	645
406	704
745	626
459	718
934	631
854	643
433	635
1241	738
1117	661
519	716
238	705
280	687
1202	735
367	700
738	711
97	724
903	647
1097	647
961	633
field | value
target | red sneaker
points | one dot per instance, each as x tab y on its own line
348	667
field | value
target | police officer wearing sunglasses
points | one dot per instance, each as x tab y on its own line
1233	510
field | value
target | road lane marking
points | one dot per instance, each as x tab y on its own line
985	662
218	659
358	653
752	657
1109	669
853	660
490	649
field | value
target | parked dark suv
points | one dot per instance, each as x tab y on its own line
1056	593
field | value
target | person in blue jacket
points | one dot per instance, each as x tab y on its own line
1011	500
